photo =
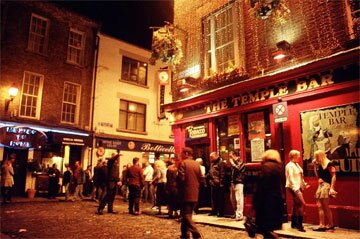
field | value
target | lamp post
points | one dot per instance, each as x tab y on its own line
13	91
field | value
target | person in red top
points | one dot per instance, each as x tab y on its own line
135	182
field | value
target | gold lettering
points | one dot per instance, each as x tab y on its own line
272	95
326	80
283	90
236	101
244	100
301	86
313	84
253	98
208	109
224	104
264	94
216	107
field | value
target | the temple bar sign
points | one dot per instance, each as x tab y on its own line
280	112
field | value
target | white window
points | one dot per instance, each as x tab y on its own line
31	95
134	71
38	34
76	47
132	116
221	40
70	103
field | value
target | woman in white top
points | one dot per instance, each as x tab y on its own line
295	184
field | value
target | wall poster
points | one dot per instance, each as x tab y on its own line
257	149
336	131
256	125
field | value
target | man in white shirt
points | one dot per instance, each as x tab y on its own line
148	174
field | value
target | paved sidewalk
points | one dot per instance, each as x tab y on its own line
287	231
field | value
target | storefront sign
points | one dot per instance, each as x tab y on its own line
73	141
130	145
21	137
273	91
334	130
196	131
233	125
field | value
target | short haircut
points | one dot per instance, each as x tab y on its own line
135	160
187	150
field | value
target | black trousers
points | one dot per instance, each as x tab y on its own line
6	193
109	197
134	198
218	200
187	224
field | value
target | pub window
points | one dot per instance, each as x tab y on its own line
228	131
38	34
70	103
134	71
220	40
257	135
132	116
31	95
76	45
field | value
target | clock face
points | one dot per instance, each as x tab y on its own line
131	145
164	77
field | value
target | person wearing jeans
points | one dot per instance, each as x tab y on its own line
237	185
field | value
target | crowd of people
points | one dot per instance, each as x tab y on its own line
178	186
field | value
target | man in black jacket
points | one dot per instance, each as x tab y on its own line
216	177
237	185
113	179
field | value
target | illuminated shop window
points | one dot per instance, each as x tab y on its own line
221	40
132	116
38	34
31	95
134	71
76	47
228	131
71	101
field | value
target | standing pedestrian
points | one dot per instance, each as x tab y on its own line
88	183
113	180
54	176
269	196
148	174
161	197
217	182
7	178
171	189
295	185
102	179
237	185
325	171
202	192
189	179
79	179
124	187
66	182
95	181
135	182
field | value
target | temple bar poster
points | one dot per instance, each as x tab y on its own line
336	131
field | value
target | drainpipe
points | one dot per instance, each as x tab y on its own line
92	109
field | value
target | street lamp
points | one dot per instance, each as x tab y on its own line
13	90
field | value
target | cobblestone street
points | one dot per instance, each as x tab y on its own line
56	219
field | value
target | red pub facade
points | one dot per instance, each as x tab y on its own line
242	99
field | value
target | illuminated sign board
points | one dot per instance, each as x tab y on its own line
22	137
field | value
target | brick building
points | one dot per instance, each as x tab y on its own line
266	74
47	53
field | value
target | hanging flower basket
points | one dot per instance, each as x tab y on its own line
166	47
276	9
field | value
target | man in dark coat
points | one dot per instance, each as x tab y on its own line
135	181
189	178
217	180
54	175
269	195
113	179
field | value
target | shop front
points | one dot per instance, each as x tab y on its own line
313	106
37	148
146	150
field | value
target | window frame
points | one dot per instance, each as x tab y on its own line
210	58
76	48
138	63
77	104
126	129
38	96
31	45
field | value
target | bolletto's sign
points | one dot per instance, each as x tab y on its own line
130	145
22	137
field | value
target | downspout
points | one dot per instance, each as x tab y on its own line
96	56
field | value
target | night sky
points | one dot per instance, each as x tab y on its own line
126	20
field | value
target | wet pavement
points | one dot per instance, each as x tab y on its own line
43	218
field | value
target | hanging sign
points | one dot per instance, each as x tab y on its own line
280	112
22	137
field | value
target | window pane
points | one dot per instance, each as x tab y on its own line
132	116
38	34
70	102
132	70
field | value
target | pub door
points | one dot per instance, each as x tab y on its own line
19	168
